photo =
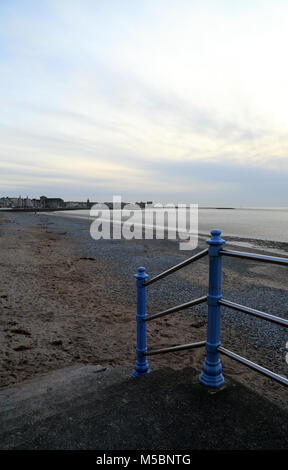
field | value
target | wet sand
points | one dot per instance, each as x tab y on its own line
65	299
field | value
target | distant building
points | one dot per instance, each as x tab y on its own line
27	204
14	201
141	204
5	202
35	203
76	205
51	203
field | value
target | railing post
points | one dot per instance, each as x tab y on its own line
211	375
141	366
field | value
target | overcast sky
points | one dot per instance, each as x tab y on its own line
176	101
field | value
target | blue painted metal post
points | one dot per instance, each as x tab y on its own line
211	375
141	366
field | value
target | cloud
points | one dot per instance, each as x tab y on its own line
151	98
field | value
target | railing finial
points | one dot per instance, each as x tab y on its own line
216	238
141	274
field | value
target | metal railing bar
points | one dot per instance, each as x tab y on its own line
256	257
256	313
176	309
252	365
176	267
181	347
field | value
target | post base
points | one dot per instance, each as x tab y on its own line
137	373
213	381
211	375
141	369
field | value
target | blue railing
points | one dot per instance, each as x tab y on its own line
211	375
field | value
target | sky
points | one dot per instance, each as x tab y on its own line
172	101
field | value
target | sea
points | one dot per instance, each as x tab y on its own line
253	226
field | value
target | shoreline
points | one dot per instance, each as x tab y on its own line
270	246
65	298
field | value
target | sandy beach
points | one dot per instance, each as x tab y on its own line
66	298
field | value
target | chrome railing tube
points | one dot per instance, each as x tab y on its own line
177	266
176	309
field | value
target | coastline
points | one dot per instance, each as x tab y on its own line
262	244
66	298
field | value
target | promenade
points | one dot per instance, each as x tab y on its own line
102	408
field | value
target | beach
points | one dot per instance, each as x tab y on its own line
66	299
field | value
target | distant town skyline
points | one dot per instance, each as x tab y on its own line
44	202
171	101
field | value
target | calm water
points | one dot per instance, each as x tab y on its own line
263	224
